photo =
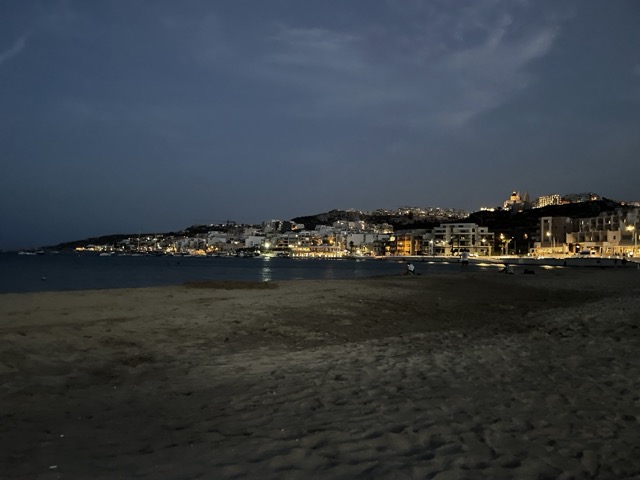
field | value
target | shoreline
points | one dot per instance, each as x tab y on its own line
56	273
550	261
448	376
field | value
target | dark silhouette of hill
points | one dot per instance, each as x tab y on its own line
399	222
328	218
502	219
522	227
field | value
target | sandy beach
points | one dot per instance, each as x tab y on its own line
464	376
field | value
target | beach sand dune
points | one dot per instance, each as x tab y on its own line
469	376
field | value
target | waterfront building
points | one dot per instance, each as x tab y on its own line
254	241
326	251
609	234
451	238
286	240
191	244
408	243
363	241
553	234
216	238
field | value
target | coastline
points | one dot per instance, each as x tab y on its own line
40	273
473	373
549	261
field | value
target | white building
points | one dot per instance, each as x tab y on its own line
451	238
611	233
254	241
546	200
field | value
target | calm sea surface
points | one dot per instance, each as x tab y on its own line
50	272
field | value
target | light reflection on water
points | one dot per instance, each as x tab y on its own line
265	273
21	273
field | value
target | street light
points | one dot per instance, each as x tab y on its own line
552	241
632	229
504	243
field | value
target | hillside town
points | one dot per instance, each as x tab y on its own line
410	231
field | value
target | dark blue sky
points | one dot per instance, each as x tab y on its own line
123	116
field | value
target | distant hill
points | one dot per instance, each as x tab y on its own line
328	218
399	222
519	225
498	219
103	240
505	219
522	226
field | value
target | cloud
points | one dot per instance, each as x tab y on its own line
487	75
316	48
329	70
14	50
204	35
446	69
320	61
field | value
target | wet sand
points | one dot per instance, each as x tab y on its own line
467	376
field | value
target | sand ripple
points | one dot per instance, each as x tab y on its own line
445	388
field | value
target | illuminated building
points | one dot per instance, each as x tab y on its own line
451	238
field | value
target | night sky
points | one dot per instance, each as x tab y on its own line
129	116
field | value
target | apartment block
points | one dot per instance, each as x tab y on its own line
609	234
451	238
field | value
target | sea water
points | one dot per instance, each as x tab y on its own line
71	271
